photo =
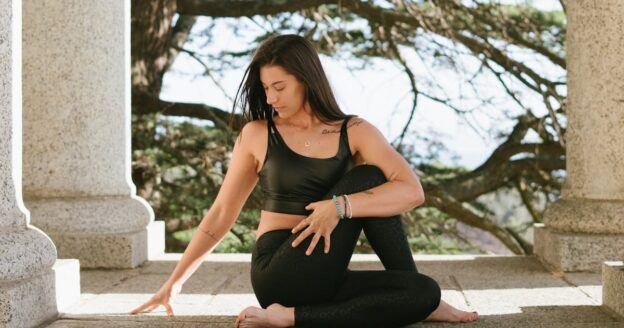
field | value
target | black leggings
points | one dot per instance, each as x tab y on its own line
324	292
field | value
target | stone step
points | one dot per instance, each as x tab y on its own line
507	291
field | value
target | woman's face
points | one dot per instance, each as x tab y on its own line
283	91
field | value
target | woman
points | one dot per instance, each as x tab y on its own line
318	197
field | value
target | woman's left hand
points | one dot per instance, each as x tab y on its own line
321	223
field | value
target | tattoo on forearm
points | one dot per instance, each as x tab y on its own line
211	234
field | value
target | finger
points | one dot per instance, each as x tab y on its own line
152	307
301	237
141	308
313	243
326	243
169	309
297	227
300	225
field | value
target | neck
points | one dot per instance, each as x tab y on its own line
304	119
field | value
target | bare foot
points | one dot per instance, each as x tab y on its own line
275	315
446	312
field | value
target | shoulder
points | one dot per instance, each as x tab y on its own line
255	124
361	133
252	130
252	138
357	127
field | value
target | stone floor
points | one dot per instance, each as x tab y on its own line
507	291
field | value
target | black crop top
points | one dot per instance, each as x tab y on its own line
290	181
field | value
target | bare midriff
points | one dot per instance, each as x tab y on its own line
276	221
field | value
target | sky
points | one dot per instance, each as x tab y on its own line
381	95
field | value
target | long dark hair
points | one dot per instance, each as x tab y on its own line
298	57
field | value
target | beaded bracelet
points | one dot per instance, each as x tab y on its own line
340	214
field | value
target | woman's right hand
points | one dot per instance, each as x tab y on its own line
163	296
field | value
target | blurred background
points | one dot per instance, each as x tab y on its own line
471	93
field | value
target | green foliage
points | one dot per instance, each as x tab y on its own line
179	167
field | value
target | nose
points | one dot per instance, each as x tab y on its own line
270	97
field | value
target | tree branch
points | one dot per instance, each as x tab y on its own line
446	203
145	104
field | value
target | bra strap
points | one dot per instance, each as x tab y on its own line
343	133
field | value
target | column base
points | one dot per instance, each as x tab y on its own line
114	251
101	232
29	302
613	286
573	251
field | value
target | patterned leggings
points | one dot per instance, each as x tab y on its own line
324	292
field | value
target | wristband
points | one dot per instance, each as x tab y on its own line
340	214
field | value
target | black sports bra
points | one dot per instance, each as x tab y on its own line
290	181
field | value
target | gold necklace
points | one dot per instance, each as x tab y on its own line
307	143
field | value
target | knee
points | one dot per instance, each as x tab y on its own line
435	294
429	292
359	178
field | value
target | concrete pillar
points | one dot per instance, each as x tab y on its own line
27	255
77	181
586	226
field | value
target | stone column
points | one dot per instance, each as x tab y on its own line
27	255
586	226
77	181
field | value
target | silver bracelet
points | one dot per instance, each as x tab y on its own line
350	211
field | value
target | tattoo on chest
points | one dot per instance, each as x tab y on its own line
350	124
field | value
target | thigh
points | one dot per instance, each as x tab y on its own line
366	282
392	298
286	275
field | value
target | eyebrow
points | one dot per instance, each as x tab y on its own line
276	82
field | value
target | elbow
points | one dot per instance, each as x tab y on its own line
418	197
421	199
418	201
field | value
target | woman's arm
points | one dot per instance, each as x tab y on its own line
400	193
238	183
211	230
